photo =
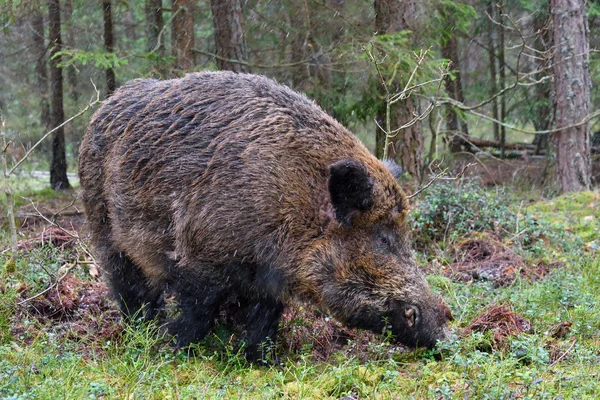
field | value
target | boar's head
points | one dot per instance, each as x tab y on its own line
368	275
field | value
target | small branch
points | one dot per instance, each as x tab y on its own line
74	235
52	286
565	353
160	34
470	110
439	176
251	65
406	92
81	112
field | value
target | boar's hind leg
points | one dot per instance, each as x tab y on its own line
130	286
199	298
262	323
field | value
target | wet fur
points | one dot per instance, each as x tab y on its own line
221	183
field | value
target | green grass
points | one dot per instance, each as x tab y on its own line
137	363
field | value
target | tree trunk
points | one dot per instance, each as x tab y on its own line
502	73
154	24
571	94
38	48
492	57
58	167
301	37
70	43
458	128
407	146
230	41
542	111
111	83
183	34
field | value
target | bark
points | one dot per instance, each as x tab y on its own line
111	83
58	166
230	41
454	87
571	103
301	38
542	111
70	43
502	77
407	146
491	27
154	24
38	47
183	34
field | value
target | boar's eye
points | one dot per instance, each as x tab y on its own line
384	242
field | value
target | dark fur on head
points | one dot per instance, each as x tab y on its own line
221	183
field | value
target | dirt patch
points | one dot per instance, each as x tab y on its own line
501	321
303	330
77	310
485	257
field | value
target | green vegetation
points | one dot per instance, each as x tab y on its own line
83	350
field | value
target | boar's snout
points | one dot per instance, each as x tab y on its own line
419	326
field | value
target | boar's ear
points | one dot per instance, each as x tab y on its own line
351	189
394	168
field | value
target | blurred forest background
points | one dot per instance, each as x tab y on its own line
472	77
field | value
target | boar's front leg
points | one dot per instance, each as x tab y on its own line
199	297
263	319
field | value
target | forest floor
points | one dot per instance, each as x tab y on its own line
521	274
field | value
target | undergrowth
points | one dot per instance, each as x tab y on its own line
79	351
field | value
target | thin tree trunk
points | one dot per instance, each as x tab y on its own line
183	34
492	57
407	146
457	127
111	83
571	94
41	75
154	24
70	43
502	71
230	41
542	110
301	37
58	167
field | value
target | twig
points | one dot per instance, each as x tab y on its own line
75	235
55	214
462	107
52	286
440	176
168	23
251	65
565	353
81	112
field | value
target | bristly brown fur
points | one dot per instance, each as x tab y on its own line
221	183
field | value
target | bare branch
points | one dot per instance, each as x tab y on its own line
439	176
81	112
49	288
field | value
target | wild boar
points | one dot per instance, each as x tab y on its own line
220	183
